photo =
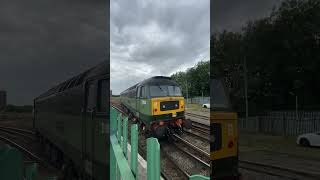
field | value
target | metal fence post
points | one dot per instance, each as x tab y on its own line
134	150
113	121
113	162
125	137
119	129
153	159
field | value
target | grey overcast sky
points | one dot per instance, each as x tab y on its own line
231	15
44	42
149	38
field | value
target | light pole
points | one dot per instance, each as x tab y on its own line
246	88
296	97
187	93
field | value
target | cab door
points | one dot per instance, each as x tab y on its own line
88	125
101	132
96	129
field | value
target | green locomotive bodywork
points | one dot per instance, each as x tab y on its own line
157	103
72	122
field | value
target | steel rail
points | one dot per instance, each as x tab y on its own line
192	146
38	159
197	135
192	156
271	170
196	115
11	131
18	129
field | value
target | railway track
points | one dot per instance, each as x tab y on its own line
197	116
277	171
16	137
188	161
198	129
199	159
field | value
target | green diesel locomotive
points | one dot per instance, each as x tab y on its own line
72	122
157	105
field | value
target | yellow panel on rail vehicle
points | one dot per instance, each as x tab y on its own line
225	134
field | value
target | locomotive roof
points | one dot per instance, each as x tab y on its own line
158	80
98	70
155	80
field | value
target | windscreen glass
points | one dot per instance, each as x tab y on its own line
218	94
165	90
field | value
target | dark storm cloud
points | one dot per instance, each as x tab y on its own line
231	15
45	42
156	38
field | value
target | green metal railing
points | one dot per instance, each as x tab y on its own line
12	165
119	166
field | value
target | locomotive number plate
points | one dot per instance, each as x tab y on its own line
174	114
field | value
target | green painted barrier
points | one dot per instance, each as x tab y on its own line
134	150
120	128
119	160
119	165
31	172
12	165
125	137
153	159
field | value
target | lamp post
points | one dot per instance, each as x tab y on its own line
296	99
187	93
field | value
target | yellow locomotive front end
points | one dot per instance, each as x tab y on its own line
168	113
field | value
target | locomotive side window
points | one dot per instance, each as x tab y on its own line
138	92
91	102
103	96
143	92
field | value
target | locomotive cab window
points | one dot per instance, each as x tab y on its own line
174	91
144	92
103	96
91	96
219	94
164	90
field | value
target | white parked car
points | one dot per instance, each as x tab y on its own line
309	139
207	105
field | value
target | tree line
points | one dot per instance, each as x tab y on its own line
195	80
281	53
